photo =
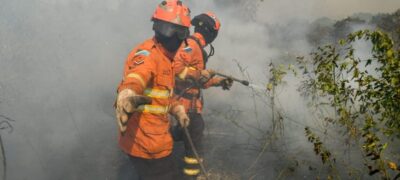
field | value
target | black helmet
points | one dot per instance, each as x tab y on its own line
207	25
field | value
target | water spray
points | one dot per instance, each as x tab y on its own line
257	87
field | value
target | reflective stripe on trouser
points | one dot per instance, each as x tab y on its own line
196	128
192	166
137	77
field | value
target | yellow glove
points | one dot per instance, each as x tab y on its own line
127	102
207	73
179	113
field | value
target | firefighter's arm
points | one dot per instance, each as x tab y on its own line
185	63
178	111
182	66
225	83
138	71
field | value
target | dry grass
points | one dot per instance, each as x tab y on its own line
219	175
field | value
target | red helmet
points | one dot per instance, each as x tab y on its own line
173	11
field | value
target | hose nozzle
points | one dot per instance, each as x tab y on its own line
244	82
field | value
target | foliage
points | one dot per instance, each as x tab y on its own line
365	93
343	27
319	148
325	30
276	74
5	123
389	23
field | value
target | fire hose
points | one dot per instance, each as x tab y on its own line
194	84
203	169
196	155
244	82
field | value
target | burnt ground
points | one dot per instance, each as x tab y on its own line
230	155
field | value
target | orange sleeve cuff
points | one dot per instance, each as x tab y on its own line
132	84
212	82
193	74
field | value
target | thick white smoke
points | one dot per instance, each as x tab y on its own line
60	63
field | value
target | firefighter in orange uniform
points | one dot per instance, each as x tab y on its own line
145	95
191	77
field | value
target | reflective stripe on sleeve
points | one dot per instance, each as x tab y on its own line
153	109
137	77
183	74
157	93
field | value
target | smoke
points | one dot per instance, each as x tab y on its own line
62	60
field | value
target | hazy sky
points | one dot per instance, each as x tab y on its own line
313	9
343	8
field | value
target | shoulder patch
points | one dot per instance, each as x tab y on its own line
142	52
187	49
136	61
139	61
139	57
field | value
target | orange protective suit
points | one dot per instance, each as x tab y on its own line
148	71
188	64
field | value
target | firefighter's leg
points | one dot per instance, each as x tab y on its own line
156	169
177	133
196	128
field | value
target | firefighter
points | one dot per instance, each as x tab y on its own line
191	77
145	95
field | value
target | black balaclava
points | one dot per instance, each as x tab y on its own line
170	35
170	43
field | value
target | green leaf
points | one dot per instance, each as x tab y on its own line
394	81
384	146
389	53
369	61
356	73
342	42
269	86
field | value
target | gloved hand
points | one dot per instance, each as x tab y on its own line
206	75
127	102
225	83
179	112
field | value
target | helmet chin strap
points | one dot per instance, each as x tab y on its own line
212	51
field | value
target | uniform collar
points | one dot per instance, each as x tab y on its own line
200	38
164	51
